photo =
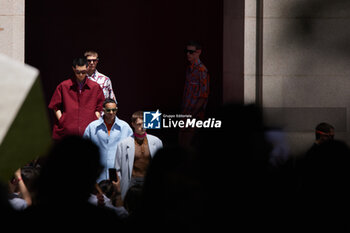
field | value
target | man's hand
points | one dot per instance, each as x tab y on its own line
58	114
100	199
98	115
117	194
116	185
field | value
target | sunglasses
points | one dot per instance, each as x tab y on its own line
190	51
80	71
325	134
92	60
110	109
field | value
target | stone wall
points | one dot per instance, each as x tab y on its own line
12	28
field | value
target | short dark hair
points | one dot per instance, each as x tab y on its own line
133	198
80	61
106	187
194	43
29	175
107	101
323	127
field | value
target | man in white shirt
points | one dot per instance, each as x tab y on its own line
92	74
134	154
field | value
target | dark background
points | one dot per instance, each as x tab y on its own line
140	44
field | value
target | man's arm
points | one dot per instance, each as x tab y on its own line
118	162
22	188
117	193
56	102
99	102
87	133
203	91
110	89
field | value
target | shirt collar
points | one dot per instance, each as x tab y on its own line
196	63
116	120
94	75
75	82
80	84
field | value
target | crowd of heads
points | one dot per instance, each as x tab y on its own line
226	172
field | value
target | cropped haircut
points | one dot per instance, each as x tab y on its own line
106	187
81	61
107	101
195	44
90	53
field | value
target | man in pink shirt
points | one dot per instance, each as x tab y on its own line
76	102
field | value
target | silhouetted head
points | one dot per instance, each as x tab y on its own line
327	169
69	172
324	132
240	138
172	190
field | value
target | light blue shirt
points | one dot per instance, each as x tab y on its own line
97	132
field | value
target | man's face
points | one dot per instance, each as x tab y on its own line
327	136
80	72
110	111
138	126
192	53
92	60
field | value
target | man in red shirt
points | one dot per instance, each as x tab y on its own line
196	91
76	102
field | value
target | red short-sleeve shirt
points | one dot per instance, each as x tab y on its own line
78	107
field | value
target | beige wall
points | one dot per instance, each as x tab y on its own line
249	51
12	28
306	66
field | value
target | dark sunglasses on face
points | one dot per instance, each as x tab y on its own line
80	71
110	109
189	51
92	60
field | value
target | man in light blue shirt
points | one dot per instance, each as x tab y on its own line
106	132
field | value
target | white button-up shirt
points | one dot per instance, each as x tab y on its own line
105	83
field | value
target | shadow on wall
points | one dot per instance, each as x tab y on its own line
313	48
320	27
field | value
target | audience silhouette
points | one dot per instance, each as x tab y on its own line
225	181
66	180
324	193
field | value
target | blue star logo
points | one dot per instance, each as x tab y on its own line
151	120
